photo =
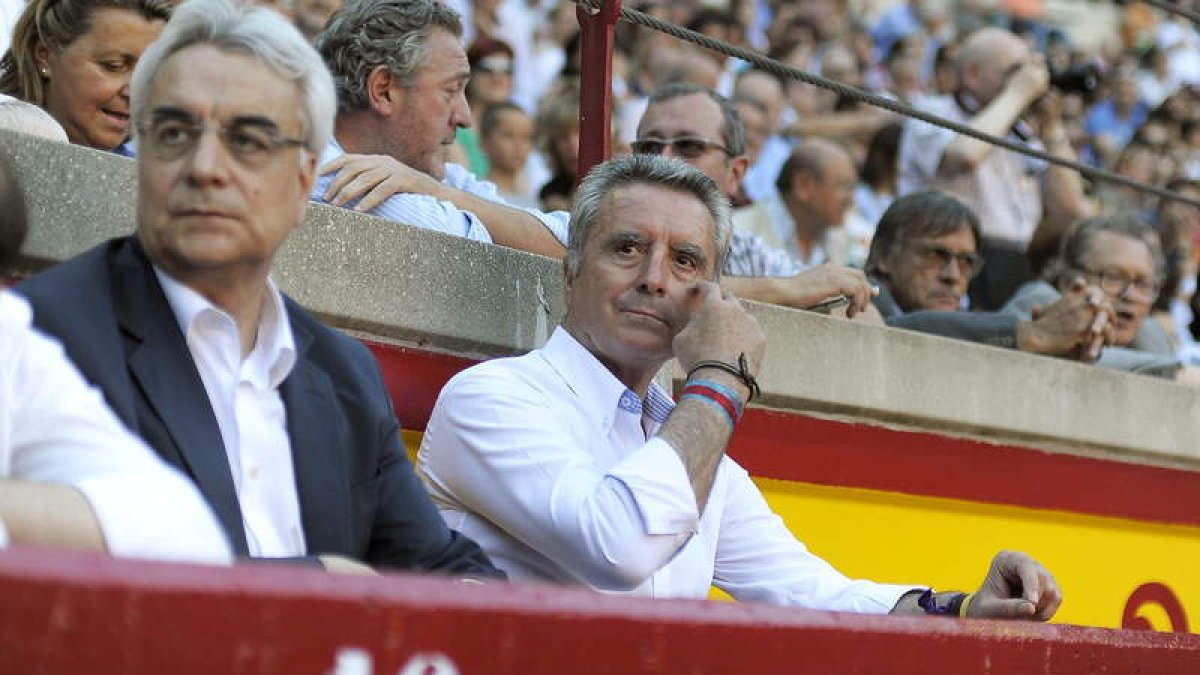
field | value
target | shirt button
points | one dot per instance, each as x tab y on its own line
254	472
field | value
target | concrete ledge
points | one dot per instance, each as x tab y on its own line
417	287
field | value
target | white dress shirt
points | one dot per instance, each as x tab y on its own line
245	399
55	428
1004	190
420	210
537	460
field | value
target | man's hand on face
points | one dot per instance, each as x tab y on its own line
1076	325
1016	587
1031	79
719	330
375	178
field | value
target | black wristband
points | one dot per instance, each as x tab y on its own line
741	372
941	604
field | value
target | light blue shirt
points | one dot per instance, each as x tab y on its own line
420	210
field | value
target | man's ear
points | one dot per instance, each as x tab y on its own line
383	91
738	166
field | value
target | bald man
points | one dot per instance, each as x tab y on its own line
999	80
814	191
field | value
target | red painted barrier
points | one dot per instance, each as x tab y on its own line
796	447
75	613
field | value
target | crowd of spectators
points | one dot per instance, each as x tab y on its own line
463	118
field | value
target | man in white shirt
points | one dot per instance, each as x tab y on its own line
807	214
70	475
401	75
569	464
283	423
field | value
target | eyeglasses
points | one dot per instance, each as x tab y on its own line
252	141
933	255
1117	285
685	147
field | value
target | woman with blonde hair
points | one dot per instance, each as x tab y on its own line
73	58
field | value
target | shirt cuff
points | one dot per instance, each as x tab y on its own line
656	478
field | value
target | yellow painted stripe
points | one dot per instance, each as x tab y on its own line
948	543
1098	561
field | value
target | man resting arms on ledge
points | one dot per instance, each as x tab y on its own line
569	464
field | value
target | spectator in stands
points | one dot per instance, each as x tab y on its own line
506	137
70	475
998	80
1122	255
491	82
557	134
924	253
766	89
569	464
1111	123
814	191
400	100
876	188
74	58
283	423
701	127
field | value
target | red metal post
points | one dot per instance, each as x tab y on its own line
595	83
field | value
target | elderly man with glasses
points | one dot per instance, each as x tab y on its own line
925	253
282	423
1122	257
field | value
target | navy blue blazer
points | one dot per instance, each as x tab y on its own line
358	494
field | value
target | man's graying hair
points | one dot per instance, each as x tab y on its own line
1077	245
255	31
665	172
365	34
733	134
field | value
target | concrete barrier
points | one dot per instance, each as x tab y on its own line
414	287
906	432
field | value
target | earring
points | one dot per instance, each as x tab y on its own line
45	72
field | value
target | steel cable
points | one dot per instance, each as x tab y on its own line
842	89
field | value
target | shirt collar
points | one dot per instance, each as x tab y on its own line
275	349
599	389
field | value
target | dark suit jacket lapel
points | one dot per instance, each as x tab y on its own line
317	455
162	367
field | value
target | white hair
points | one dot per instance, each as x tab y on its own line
255	30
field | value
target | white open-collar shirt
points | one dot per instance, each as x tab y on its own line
535	458
245	399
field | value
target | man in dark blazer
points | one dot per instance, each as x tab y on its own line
172	323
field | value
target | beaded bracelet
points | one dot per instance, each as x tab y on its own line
741	372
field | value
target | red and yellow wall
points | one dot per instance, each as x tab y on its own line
892	505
